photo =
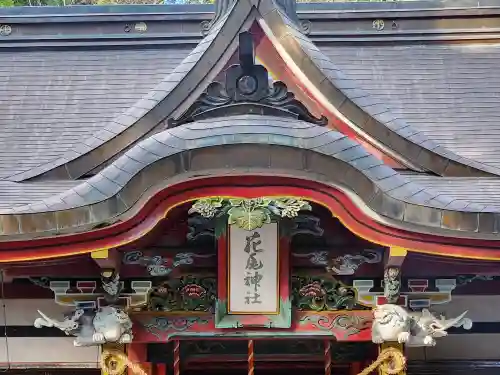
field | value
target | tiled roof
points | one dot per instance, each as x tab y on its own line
448	92
13	194
483	191
52	100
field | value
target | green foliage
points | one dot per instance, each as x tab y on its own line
249	214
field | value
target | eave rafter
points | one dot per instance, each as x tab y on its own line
108	260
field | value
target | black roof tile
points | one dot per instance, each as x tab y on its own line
53	101
447	92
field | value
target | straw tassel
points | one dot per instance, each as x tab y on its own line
328	357
251	365
177	357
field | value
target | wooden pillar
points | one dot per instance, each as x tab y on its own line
328	357
251	359
394	345
177	357
355	368
160	369
138	353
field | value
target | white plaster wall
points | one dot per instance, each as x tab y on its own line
50	352
4	358
480	308
460	347
47	351
23	312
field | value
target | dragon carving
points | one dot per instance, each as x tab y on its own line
107	325
348	264
393	323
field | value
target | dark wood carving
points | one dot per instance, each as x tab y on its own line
246	91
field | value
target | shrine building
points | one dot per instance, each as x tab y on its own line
251	187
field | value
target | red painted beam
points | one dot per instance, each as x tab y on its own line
153	212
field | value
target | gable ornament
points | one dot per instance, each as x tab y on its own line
246	90
249	214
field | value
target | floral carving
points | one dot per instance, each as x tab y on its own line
252	213
322	295
187	293
207	207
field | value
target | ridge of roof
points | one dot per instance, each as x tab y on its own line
37	14
181	24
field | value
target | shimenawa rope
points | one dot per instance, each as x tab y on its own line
390	360
115	362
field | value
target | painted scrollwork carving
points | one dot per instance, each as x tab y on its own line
393	323
107	325
187	293
349	263
247	90
158	265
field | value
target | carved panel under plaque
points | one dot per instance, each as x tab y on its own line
322	294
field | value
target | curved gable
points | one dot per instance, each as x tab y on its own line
360	111
249	145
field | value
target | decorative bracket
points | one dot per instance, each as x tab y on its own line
107	259
392	274
396	257
94	321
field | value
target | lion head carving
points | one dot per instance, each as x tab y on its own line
112	323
